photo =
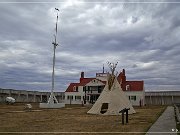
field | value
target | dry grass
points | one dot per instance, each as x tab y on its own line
73	119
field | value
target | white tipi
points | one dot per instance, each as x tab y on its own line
112	99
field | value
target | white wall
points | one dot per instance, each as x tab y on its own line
139	96
73	101
102	78
95	82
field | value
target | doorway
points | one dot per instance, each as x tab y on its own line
104	108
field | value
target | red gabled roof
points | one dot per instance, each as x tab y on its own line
83	82
135	85
71	86
119	77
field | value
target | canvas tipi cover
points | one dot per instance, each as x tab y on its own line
114	101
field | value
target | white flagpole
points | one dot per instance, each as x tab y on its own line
52	102
52	96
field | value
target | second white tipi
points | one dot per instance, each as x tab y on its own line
112	99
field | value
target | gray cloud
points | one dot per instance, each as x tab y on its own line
143	38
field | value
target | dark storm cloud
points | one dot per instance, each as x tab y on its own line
143	38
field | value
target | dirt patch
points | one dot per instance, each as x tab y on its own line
73	119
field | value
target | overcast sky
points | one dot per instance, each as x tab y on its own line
143	37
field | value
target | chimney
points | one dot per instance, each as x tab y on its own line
123	71
103	68
123	85
82	76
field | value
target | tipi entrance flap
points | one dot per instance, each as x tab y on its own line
104	108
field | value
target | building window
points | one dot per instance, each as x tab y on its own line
86	88
75	88
133	98
70	97
77	97
94	81
129	97
128	87
99	89
87	97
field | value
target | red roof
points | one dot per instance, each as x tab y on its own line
83	82
135	85
71	87
119	77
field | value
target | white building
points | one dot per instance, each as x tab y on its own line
88	89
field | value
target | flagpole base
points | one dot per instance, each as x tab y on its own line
52	103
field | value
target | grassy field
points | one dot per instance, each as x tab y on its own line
13	118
